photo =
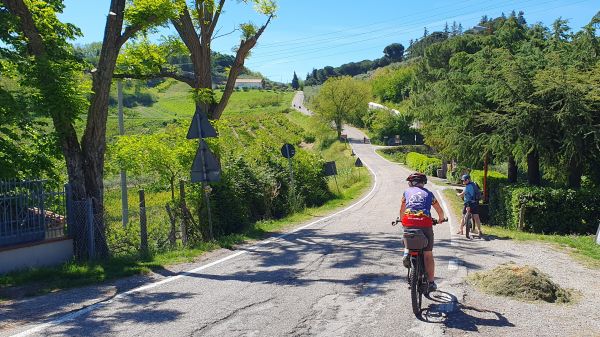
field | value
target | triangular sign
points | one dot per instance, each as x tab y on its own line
358	163
210	171
205	127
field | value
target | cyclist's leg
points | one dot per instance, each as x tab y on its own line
476	220
428	255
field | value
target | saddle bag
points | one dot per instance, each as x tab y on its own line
415	239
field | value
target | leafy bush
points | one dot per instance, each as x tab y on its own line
547	210
398	153
423	163
495	181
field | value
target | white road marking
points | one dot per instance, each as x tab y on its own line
306	242
83	311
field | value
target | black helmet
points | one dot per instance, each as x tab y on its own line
417	178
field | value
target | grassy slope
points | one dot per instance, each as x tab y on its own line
583	248
352	183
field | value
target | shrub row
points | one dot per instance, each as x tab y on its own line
546	210
398	153
423	163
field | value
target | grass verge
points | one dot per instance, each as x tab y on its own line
584	248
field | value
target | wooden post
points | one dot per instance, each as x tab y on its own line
90	228
173	220
485	174
184	213
143	225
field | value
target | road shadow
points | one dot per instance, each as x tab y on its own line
448	311
136	308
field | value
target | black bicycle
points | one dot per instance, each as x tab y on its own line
416	242
468	221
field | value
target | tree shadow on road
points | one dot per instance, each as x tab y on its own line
446	310
137	308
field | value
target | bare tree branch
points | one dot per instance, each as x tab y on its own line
215	19
238	65
189	80
231	32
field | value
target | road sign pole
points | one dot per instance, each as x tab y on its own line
204	178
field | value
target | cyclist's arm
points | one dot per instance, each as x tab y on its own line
438	209
402	207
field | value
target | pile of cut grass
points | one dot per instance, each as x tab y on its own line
521	282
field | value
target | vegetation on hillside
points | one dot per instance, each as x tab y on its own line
392	53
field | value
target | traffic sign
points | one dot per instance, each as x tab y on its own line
358	163
206	167
206	128
329	169
288	151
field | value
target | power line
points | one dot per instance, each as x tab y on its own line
285	53
304	40
391	32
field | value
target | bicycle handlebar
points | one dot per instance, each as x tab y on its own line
435	221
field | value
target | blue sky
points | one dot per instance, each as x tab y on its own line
312	34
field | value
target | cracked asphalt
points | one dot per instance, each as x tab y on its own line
340	276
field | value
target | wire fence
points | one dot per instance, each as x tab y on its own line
154	222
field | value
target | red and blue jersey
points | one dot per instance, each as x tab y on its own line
418	201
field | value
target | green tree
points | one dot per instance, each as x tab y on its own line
295	82
166	155
38	47
341	100
394	52
197	28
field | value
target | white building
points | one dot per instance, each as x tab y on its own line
252	83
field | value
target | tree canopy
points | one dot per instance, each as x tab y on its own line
341	100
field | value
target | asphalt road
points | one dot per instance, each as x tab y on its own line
341	276
298	103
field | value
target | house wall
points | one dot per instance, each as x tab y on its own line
47	253
249	85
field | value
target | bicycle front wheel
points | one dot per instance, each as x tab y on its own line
468	225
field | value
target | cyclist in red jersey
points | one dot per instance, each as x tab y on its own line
415	212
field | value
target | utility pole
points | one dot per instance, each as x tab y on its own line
124	204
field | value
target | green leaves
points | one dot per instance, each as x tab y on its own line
343	99
142	58
150	13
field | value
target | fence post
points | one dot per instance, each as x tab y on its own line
90	229
184	238
69	209
143	225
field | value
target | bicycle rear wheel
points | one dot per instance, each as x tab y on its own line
415	285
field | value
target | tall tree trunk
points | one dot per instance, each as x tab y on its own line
512	169
575	173
533	168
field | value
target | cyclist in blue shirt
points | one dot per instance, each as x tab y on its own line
470	196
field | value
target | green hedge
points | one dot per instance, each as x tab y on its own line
422	163
547	210
398	153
